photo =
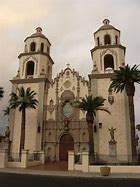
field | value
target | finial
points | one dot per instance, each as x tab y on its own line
106	21
39	29
67	65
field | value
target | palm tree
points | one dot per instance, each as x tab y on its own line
1	92
91	105
124	79
23	100
6	111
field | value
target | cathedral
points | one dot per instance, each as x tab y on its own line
56	126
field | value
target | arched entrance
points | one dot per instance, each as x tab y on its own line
66	144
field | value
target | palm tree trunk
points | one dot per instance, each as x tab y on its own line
91	142
132	121
22	137
90	119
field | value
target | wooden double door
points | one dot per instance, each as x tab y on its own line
66	144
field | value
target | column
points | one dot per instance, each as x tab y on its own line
85	161
3	158
24	158
70	160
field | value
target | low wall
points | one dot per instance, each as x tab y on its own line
85	167
20	165
78	167
114	169
9	161
125	169
14	164
117	169
34	163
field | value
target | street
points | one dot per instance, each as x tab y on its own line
28	180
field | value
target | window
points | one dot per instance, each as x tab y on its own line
30	68
48	50
116	39
25	49
33	46
42	47
84	136
98	41
49	136
49	72
67	109
107	39
108	62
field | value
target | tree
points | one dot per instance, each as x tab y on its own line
91	105
23	100
1	92
6	111
124	79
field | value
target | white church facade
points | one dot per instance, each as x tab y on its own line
56	126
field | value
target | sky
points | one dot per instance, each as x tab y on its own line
69	25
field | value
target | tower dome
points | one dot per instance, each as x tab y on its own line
106	26
108	45
38	33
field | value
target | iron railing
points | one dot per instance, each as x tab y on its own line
33	157
100	159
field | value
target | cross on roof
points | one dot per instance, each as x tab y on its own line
67	65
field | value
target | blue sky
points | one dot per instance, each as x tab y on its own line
69	25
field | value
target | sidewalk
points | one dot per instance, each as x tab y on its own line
68	173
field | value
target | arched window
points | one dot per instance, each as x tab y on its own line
49	153
25	49
108	62
84	136
42	47
107	39
67	73
33	46
116	39
48	50
49	136
67	109
30	68
49	72
98	41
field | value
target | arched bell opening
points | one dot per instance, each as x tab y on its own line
30	69
108	63
107	39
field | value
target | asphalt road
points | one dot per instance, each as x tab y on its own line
27	180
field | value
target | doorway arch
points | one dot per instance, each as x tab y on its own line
66	144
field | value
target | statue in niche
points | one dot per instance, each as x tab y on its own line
51	106
7	133
66	123
95	68
112	134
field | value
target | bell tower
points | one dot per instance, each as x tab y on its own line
35	61
108	55
35	71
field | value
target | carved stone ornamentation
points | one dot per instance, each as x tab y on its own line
111	99
51	106
67	84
